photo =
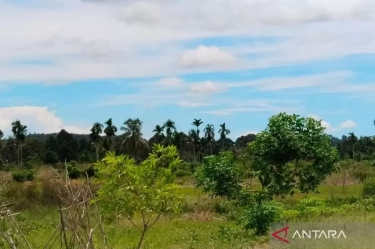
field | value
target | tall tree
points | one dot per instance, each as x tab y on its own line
209	134
169	127
159	135
133	140
110	130
194	139
1	134
352	140
224	132
197	123
96	139
19	132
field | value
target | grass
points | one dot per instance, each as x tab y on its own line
197	227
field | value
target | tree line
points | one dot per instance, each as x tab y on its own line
25	150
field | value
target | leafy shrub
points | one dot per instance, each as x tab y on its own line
369	188
23	175
73	172
260	216
219	175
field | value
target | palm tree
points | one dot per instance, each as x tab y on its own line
209	134
110	130
170	127
159	133
197	123
96	139
133	139
194	138
19	132
224	132
352	139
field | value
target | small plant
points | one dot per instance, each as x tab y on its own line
219	175
261	213
23	175
146	190
368	190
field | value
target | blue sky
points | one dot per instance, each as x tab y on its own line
237	62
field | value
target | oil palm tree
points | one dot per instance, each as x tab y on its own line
194	139
110	130
19	132
197	123
133	140
159	135
96	139
170	128
224	132
209	134
352	140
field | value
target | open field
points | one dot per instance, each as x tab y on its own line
202	224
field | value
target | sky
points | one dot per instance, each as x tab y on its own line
65	64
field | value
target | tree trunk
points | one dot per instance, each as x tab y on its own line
139	246
21	156
97	152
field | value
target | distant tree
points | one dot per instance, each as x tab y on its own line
195	141
19	132
293	152
67	146
133	140
110	130
224	132
159	135
96	139
209	133
197	123
169	127
352	140
1	134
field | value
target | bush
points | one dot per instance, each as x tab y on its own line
23	175
368	190
219	175
260	216
73	172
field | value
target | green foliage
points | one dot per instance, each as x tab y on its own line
260	216
369	188
147	190
293	152
219	175
23	175
73	171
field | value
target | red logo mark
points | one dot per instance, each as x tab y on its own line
285	231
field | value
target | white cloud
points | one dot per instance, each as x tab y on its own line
37	119
206	87
248	132
348	124
204	56
170	82
329	128
145	38
324	123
